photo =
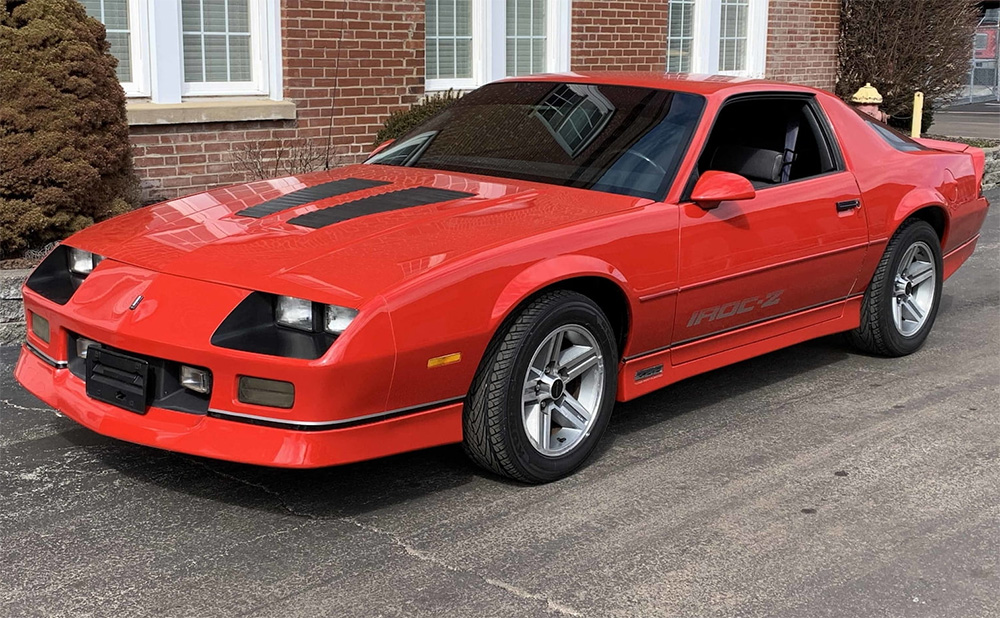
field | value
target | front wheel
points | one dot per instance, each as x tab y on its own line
901	302
544	392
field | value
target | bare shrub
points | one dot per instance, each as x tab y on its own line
902	46
283	157
65	157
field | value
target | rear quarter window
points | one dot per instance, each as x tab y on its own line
895	139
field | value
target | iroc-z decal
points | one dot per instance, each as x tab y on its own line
735	307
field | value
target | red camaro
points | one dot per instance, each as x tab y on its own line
503	274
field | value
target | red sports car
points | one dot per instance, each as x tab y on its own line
502	275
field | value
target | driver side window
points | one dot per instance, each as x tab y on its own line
770	141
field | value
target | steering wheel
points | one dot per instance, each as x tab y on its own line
647	160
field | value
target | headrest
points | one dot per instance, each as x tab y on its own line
752	163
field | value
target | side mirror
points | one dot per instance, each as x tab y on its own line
381	147
715	187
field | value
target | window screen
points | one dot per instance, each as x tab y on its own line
680	35
733	35
216	41
525	37
449	39
114	15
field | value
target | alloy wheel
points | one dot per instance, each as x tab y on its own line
563	390
913	290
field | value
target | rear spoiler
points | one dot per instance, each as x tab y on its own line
938	144
978	156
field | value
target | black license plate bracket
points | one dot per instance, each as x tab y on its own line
118	379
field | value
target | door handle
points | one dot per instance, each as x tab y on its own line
848	205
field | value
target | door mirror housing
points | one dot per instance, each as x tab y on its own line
715	187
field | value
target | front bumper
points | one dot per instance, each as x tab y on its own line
233	440
339	415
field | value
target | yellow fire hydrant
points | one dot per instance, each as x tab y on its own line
867	100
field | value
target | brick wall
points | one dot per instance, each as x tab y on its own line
619	35
802	42
346	65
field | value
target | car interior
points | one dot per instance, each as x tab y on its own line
769	141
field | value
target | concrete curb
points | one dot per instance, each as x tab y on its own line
12	325
991	179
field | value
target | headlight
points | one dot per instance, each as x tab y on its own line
312	317
283	326
295	313
62	271
338	319
82	262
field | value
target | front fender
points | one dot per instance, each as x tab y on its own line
549	272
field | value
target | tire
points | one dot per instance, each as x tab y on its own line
881	332
502	423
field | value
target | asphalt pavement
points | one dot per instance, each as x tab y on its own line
976	120
814	481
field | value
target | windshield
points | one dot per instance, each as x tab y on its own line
617	139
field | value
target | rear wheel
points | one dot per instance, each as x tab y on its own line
544	392
901	302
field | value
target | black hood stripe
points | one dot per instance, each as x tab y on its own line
383	202
311	194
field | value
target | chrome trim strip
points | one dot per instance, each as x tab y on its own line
318	425
58	364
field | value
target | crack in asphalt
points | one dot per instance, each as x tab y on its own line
264	488
496	583
9	403
408	549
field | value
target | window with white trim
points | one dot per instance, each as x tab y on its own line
473	42
449	39
733	35
680	35
121	19
169	49
525	37
717	36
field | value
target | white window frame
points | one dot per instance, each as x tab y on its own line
678	42
158	54
707	29
138	26
482	16
258	58
489	44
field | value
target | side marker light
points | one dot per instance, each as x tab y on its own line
447	359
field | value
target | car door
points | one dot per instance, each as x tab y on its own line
793	250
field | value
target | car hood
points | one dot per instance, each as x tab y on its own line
205	237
